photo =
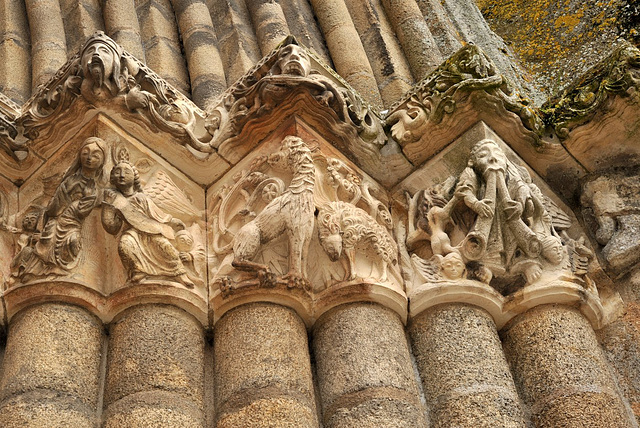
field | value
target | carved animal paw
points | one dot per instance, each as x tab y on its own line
267	278
297	281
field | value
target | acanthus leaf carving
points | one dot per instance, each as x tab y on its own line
466	71
102	73
618	75
286	72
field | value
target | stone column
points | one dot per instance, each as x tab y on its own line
365	375
155	369
121	23
269	24
161	42
262	369
48	43
465	376
14	51
347	52
51	369
560	370
201	48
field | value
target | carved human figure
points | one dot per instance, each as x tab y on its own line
508	212
192	257
144	246
452	266
101	68
26	243
59	244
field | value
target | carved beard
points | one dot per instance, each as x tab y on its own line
96	69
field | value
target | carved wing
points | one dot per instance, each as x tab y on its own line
169	198
559	219
427	270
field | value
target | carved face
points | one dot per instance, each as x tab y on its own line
29	222
97	61
184	241
91	157
332	245
452	266
123	176
488	156
293	60
553	250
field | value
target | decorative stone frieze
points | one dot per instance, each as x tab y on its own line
70	209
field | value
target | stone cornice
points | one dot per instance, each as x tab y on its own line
617	75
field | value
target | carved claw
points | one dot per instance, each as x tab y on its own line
267	278
225	285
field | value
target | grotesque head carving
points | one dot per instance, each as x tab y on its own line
293	60
487	155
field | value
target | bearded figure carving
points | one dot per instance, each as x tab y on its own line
102	68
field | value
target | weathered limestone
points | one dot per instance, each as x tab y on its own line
303	26
440	26
464	373
262	371
155	369
14	51
161	42
51	368
346	49
365	376
560	370
269	23
121	23
385	55
206	69
236	40
81	18
417	42
48	44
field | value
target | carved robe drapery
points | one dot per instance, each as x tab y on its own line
145	246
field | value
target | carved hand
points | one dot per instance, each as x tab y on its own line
177	224
512	209
483	208
109	196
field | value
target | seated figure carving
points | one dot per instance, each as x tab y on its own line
58	245
145	246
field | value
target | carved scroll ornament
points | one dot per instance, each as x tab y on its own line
467	70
